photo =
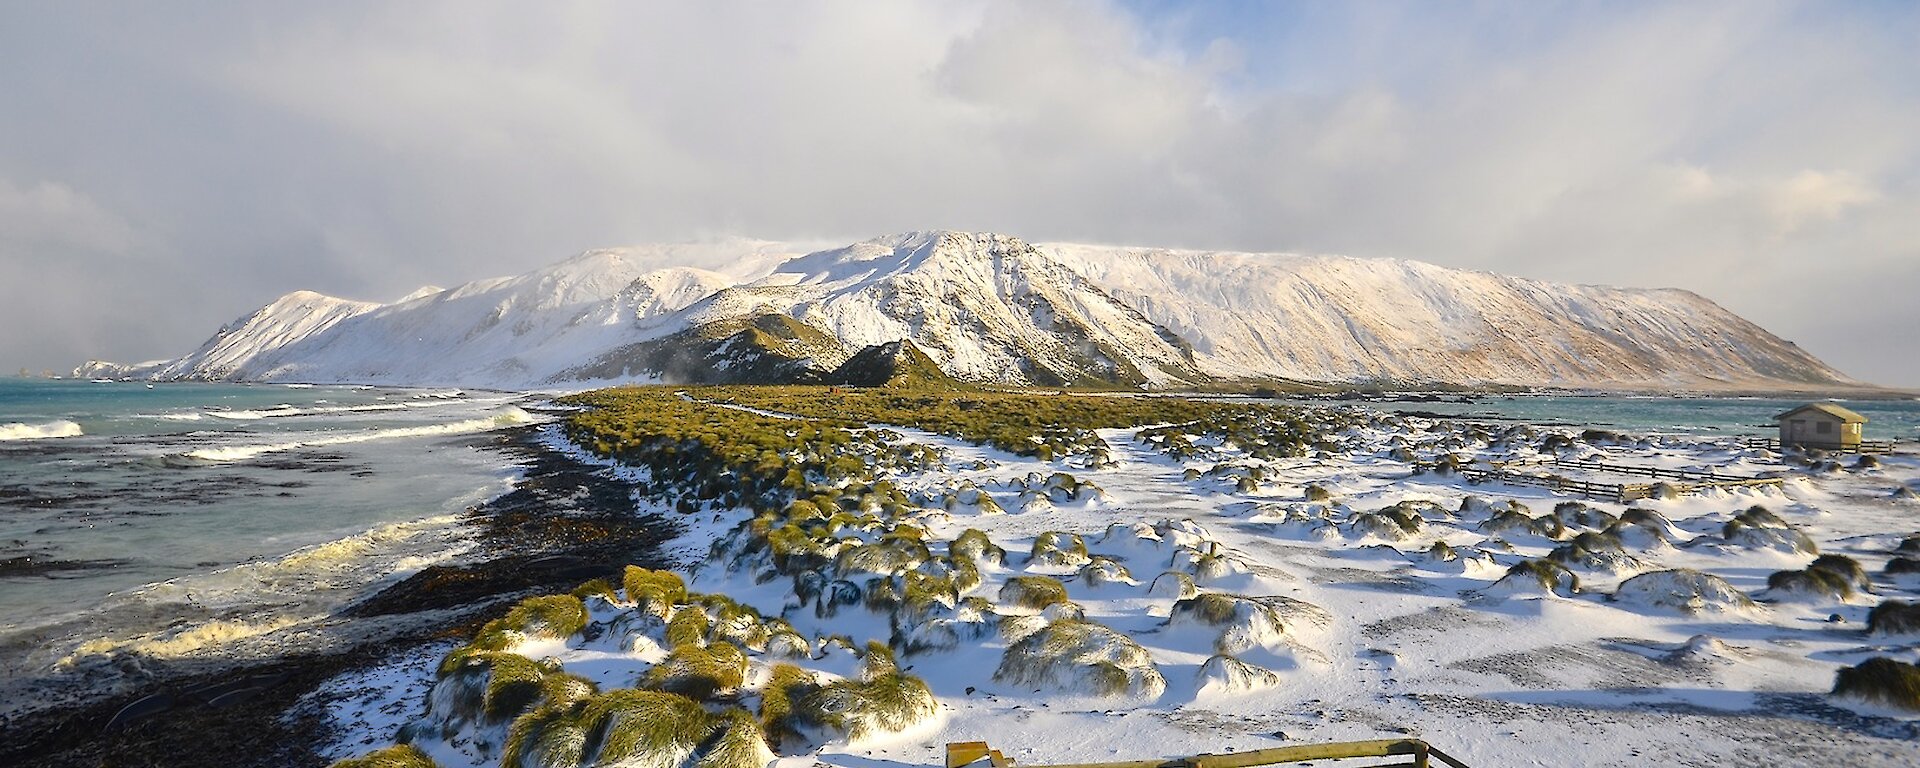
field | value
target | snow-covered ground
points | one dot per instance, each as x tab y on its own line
1339	616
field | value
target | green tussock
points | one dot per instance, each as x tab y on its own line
786	685
597	587
924	597
688	627
398	756
1881	681
512	684
1058	548
973	544
965	574
1846	568
1546	574
699	672
553	616
1894	617
1211	608
1078	653
1034	592
888	703
1102	570
739	743
630	728
1760	517
1812	581
655	592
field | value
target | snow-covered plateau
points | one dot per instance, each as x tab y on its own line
991	308
1177	590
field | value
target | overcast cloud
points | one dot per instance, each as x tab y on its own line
166	167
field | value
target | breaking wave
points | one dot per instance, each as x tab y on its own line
21	431
509	417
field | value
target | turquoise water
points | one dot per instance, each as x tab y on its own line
1887	419
131	512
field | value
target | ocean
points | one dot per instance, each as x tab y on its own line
184	518
1897	420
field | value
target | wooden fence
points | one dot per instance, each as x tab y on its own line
1419	754
1620	492
1866	446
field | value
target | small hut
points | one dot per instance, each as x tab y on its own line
1821	425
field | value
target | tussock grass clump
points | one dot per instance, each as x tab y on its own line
397	756
1812	582
655	592
699	672
688	627
786	685
1642	528
1780	538
1685	590
1033	592
1596	551
1758	516
739	743
1516	520
1103	570
1243	623
974	545
885	557
924	597
1881	680
495	687
1391	523
1058	549
1081	656
883	700
1576	514
627	727
552	616
1223	672
1318	495
1902	565
1846	568
596	588
1539	577
1894	617
1174	584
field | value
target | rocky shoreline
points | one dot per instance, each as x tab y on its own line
563	523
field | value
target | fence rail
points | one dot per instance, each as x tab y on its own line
1691	475
1419	754
1865	446
1620	492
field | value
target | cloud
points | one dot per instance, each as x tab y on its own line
45	218
1740	150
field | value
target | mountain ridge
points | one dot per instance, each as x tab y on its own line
992	308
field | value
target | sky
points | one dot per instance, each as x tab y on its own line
168	167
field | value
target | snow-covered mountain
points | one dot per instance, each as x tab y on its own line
991	308
1332	318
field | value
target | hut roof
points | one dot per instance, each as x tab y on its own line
1829	409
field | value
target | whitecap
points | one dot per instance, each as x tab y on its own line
22	431
506	418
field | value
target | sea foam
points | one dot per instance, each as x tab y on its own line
506	418
21	431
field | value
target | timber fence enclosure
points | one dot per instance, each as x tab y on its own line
1418	754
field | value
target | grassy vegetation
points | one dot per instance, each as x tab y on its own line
1881	680
397	756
